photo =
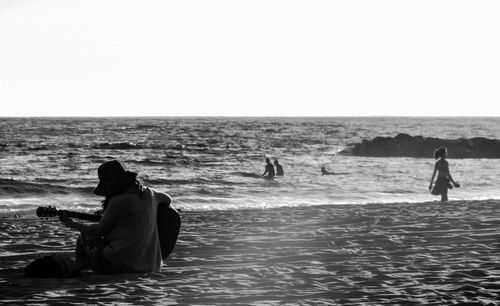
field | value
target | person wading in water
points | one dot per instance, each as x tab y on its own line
443	175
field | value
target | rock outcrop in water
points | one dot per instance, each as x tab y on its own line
404	145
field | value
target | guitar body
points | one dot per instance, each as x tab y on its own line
168	223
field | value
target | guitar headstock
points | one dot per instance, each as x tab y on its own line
48	211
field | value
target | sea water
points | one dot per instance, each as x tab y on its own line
211	163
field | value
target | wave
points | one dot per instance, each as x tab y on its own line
404	145
246	174
104	145
14	187
194	181
26	146
118	146
221	204
202	205
135	146
148	162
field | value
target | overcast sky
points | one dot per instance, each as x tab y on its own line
249	58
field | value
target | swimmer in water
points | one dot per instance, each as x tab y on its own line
325	172
279	168
269	171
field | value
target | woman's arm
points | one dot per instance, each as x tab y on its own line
449	176
433	175
451	179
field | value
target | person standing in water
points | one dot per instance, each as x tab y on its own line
279	168
269	171
443	175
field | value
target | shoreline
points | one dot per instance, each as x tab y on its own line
30	213
414	253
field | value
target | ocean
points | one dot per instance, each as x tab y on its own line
211	163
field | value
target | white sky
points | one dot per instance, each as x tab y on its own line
249	58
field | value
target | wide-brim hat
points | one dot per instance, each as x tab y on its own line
113	174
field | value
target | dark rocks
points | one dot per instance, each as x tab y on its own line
404	145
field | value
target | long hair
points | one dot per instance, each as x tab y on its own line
140	191
440	153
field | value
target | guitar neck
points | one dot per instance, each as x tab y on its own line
83	216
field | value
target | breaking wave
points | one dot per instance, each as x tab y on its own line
15	187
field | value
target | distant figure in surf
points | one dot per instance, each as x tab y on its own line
269	171
444	180
279	168
325	172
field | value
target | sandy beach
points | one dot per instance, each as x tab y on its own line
411	254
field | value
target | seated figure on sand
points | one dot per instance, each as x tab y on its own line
443	175
279	168
269	171
126	239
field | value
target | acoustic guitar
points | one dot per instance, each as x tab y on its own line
168	223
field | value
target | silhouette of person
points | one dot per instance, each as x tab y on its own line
443	175
125	239
325	172
279	168
269	169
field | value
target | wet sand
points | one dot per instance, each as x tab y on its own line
411	254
